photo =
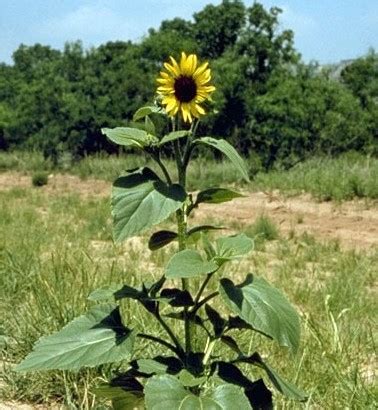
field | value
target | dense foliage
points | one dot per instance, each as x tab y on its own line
267	101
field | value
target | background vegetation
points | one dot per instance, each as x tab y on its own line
268	102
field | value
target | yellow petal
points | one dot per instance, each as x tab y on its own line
200	109
200	70
184	64
171	103
185	109
204	78
172	69
191	64
193	110
165	83
175	65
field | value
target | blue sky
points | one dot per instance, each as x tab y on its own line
325	30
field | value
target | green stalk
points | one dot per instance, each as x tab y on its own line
182	227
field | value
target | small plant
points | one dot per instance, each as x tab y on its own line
189	374
40	178
263	229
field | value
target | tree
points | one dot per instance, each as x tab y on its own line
361	77
217	28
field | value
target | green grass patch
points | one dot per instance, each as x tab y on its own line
346	177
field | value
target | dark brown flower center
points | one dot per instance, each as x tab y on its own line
185	88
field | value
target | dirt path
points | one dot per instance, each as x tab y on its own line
351	222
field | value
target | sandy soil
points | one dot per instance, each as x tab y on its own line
353	223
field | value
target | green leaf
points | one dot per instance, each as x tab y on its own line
167	392
172	136
195	234
216	320
208	247
188	380
228	150
177	297
160	239
117	293
125	392
232	247
141	200
121	399
230	373
105	293
283	386
129	137
264	308
259	395
147	110
187	264
204	228
90	340
158	365
149	126
151	366
216	196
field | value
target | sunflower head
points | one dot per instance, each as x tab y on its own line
184	86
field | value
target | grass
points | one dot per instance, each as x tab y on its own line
262	230
349	176
346	177
54	250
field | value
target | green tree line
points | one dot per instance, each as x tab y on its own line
268	103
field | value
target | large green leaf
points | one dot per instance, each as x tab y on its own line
283	386
129	137
172	136
187	264
90	340
228	150
231	247
263	307
216	196
141	200
165	392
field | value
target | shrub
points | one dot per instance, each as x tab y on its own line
40	179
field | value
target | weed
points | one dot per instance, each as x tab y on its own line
40	178
263	229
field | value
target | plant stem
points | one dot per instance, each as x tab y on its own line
203	301
182	236
161	341
202	288
157	159
169	331
208	351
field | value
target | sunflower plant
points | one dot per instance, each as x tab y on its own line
199	308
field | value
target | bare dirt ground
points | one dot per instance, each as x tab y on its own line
353	223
